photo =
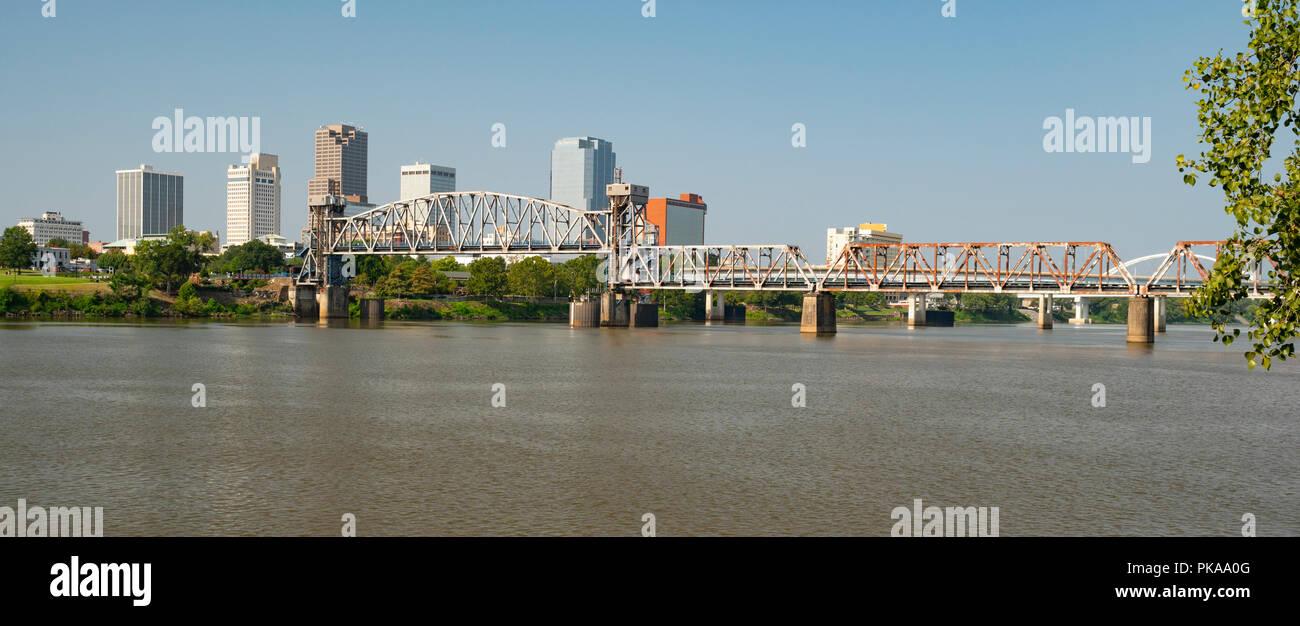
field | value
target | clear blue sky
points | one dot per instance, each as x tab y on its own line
932	125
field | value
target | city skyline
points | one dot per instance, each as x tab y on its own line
944	143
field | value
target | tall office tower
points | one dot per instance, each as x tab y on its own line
423	179
341	156
580	169
253	199
148	202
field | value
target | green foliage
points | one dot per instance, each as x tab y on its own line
17	248
448	264
80	251
533	277
680	304
169	261
487	277
252	256
128	286
579	274
113	259
187	291
1247	99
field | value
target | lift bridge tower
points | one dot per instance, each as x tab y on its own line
628	228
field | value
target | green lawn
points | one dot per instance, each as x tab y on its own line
29	279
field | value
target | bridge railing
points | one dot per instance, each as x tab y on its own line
1089	268
730	267
469	222
1188	266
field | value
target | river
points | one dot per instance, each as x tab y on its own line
396	424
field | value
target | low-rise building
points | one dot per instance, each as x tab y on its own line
680	220
52	225
838	238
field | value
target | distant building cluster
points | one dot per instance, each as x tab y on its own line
838	238
150	203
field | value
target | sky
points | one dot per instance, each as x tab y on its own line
931	124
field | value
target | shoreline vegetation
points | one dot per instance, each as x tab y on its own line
28	297
172	277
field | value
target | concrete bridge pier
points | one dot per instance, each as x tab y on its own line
304	302
584	314
1158	313
818	313
372	309
332	302
1141	321
915	310
1081	305
613	310
715	307
1045	312
643	314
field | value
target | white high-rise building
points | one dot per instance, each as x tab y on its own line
149	202
423	179
253	199
580	169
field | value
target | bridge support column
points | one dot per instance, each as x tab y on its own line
1158	313
613	310
584	314
715	308
1045	312
818	313
915	310
1081	305
304	302
372	309
1141	326
644	314
332	302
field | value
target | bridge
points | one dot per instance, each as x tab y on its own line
481	223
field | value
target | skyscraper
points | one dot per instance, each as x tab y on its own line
148	202
423	179
253	199
580	169
341	156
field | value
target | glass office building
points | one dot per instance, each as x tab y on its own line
149	202
580	169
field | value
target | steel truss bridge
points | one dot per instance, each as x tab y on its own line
487	223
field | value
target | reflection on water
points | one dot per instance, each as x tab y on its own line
395	423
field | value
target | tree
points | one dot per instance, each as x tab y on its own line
80	251
59	242
171	260
372	267
487	277
580	275
113	259
17	248
448	264
426	281
128	286
532	277
1247	99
